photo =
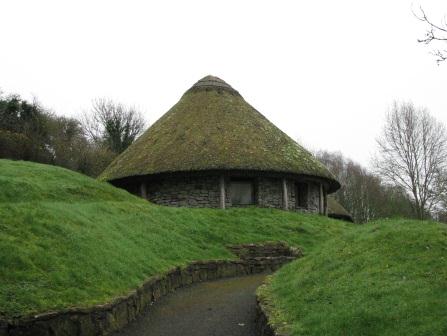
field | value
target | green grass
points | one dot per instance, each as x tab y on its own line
68	240
384	278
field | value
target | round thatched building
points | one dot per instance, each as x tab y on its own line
337	211
213	149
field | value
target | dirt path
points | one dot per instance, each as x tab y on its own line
216	308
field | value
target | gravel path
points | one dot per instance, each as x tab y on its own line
215	308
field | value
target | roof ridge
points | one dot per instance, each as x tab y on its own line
210	82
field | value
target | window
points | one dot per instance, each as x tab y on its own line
242	192
301	195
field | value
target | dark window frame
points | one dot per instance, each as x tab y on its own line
302	195
254	193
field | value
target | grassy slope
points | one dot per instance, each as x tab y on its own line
68	240
386	278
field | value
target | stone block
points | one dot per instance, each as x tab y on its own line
86	325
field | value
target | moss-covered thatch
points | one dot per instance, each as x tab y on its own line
336	210
213	128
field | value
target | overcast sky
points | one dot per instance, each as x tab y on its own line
325	72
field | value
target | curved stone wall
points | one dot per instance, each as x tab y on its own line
189	191
204	191
263	324
104	319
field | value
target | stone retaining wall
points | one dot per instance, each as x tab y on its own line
263	323
104	319
263	327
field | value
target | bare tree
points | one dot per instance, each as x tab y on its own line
364	194
434	34
412	155
112	124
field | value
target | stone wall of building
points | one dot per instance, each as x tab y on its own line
194	191
313	202
204	191
270	193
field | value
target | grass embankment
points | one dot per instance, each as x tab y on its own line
385	278
68	240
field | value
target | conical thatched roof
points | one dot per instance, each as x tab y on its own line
336	210
213	128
